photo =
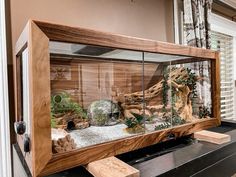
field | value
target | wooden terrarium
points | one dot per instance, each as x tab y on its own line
83	95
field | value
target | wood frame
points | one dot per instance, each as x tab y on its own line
36	37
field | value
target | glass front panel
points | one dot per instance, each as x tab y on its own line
101	94
178	90
92	94
157	94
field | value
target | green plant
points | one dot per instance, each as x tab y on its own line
99	118
165	88
61	103
204	112
164	125
191	82
53	123
134	121
173	120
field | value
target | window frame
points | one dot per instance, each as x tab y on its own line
225	26
5	147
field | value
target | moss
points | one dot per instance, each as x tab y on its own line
99	118
103	113
61	103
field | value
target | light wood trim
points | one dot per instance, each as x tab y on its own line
86	155
38	52
86	36
40	98
215	83
112	167
212	137
20	46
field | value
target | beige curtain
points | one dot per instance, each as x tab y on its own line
196	23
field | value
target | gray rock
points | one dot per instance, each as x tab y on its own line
103	112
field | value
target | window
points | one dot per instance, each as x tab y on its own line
224	39
224	44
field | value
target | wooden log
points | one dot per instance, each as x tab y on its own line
183	104
62	141
111	167
212	137
152	92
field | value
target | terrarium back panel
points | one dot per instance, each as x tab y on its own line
179	91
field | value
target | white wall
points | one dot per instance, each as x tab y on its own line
150	19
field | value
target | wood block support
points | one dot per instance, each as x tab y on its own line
111	167
212	137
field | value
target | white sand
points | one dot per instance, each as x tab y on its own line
96	135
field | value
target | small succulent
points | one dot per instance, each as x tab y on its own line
134	121
163	126
173	120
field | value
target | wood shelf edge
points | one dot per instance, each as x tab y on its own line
64	161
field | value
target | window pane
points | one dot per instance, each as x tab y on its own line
224	44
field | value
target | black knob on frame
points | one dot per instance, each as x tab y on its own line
26	143
20	127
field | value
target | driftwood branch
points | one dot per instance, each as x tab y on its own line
132	102
152	92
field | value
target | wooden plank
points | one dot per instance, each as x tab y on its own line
87	36
111	167
212	137
40	98
63	161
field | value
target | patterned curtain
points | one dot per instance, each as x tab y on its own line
196	23
197	34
